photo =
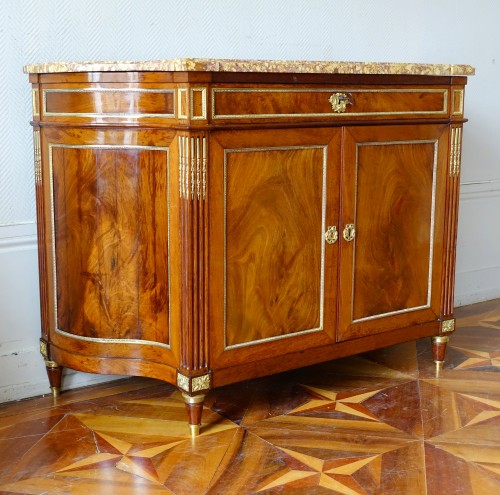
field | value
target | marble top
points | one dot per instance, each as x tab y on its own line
230	65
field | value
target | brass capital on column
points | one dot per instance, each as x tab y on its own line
448	326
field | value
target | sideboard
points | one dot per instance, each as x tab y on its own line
205	222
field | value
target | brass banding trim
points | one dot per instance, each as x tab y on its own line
38	157
455	151
135	115
53	242
182	93
427	305
35	102
320	235
459	110
203	92
440	339
196	399
327	91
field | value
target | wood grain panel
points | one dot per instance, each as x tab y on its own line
393	195
274	203
393	223
99	101
111	224
272	102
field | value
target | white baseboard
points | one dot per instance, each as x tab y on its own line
477	285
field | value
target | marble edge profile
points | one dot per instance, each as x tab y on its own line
273	66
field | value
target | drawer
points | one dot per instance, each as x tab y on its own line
131	103
333	102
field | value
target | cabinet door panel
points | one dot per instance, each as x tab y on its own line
392	195
110	220
275	208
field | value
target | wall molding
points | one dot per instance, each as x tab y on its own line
18	237
479	190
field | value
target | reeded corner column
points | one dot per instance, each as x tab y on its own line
194	375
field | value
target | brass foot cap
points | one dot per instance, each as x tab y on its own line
195	430
439	365
56	391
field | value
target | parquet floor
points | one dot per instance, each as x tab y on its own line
378	423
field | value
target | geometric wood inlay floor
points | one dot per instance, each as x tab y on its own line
377	423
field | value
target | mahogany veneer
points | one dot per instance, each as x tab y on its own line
208	227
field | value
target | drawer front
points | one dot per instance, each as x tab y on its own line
128	103
331	103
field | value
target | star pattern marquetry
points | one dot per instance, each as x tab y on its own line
381	422
350	403
331	474
478	359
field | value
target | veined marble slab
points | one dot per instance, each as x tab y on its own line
229	65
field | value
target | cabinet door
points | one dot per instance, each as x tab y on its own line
273	194
108	212
393	196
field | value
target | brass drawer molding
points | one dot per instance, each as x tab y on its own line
339	101
102	99
277	103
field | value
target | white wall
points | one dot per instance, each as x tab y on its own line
442	31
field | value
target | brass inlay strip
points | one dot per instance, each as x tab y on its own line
35	102
204	167
320	239
182	94
198	168
37	157
108	114
431	234
203	115
53	241
455	151
327	91
460	108
185	142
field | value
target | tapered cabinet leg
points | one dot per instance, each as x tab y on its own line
439	350
54	372
194	409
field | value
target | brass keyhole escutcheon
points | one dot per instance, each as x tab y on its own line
331	235
339	102
349	232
